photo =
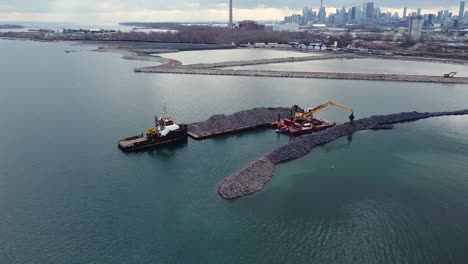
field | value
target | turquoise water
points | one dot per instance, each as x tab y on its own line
67	195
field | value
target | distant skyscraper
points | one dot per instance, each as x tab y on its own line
446	14
231	24
405	11
322	14
462	10
415	28
370	10
353	14
430	20
419	12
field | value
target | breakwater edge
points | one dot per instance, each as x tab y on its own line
257	174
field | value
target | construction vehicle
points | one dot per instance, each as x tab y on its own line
303	123
301	117
450	75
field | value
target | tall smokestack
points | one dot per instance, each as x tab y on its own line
230	15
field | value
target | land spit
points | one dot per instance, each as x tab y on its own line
266	61
155	69
256	175
309	75
218	125
222	68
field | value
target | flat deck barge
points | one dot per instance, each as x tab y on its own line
201	136
219	125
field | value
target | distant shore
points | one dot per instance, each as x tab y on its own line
145	51
10	26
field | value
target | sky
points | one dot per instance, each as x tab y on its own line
114	11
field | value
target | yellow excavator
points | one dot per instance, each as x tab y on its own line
301	117
450	75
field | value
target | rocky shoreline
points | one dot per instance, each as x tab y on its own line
257	174
307	75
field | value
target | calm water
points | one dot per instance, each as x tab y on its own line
67	195
367	66
212	56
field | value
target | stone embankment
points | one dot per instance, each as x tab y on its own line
256	175
224	68
267	61
155	69
225	124
310	75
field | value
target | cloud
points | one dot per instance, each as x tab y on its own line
91	11
220	6
112	17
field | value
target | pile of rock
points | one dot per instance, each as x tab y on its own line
255	176
248	118
249	180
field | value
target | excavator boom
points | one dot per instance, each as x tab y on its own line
320	108
340	106
450	75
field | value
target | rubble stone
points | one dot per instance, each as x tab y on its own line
257	174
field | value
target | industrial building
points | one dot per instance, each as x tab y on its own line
250	25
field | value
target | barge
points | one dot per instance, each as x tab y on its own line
304	123
297	129
165	132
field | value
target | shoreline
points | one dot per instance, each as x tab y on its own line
134	50
307	75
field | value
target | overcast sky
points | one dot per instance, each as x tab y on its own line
112	11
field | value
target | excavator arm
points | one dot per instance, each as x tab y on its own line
340	106
320	108
450	75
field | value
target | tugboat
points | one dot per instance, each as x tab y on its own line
165	131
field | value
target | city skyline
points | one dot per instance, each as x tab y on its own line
111	11
370	14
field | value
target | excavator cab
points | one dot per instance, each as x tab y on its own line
450	75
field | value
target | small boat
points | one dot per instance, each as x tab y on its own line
165	131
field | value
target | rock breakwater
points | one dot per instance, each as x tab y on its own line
244	120
256	175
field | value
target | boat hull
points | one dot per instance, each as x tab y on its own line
142	143
302	131
297	131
